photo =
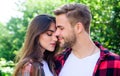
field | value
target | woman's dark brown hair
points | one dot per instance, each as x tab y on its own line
31	49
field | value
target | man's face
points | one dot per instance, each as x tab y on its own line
65	31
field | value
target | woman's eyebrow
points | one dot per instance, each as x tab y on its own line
51	30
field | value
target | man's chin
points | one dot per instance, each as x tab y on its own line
61	45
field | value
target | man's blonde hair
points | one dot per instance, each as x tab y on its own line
76	13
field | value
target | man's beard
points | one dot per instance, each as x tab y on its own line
70	41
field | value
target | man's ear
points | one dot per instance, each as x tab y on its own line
78	27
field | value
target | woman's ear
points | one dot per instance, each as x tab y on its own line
78	27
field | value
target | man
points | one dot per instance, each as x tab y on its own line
86	58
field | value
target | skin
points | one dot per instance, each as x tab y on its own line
48	40
75	37
65	32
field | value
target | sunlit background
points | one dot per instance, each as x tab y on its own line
8	9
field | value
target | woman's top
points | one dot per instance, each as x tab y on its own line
46	69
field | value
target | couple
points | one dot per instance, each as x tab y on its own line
71	30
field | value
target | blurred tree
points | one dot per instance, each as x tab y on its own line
5	43
115	26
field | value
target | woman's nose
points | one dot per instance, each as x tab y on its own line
55	37
57	33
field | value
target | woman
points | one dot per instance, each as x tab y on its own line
36	55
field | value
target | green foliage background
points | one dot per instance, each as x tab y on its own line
105	26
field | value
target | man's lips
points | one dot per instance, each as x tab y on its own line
59	39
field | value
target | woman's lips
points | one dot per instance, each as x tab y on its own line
53	44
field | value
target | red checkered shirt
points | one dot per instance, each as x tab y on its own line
107	65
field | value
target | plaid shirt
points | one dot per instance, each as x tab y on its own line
107	65
29	70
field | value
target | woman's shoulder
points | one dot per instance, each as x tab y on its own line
27	66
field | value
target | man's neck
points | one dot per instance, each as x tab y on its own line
84	48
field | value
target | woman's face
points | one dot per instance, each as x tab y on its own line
48	39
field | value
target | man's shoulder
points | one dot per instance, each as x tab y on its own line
107	54
113	56
110	59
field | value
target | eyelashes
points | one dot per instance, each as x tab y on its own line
49	34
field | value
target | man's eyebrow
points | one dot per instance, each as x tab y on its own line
58	26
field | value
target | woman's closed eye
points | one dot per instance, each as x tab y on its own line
49	33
